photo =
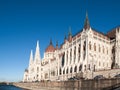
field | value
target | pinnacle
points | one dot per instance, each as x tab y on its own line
86	24
69	33
50	41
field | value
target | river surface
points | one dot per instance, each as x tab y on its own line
10	87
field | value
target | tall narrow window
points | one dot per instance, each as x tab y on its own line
89	67
85	67
99	48
74	54
37	69
99	64
63	59
70	56
75	69
60	71
64	71
107	50
103	49
80	67
67	71
67	57
89	45
94	46
94	68
84	50
71	70
84	46
79	52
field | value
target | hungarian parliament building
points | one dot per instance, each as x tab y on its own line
87	52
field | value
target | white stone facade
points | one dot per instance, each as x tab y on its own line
79	55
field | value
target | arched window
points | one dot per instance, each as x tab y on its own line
89	67
85	67
71	70
103	49
63	59
94	67
90	45
60	71
94	46
67	71
53	73
46	75
37	69
75	69
67	58
64	71
107	50
74	54
70	55
80	67
99	48
79	52
84	50
37	75
99	63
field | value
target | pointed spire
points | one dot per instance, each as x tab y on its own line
65	37
86	24
69	33
31	58
37	44
37	53
31	55
50	41
56	44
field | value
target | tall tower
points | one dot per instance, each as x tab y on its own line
117	49
31	59
37	54
28	72
37	62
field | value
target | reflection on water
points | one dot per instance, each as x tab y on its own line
10	87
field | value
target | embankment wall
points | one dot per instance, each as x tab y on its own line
71	85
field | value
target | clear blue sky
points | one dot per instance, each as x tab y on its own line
23	22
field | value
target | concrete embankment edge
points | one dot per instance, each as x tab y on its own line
70	85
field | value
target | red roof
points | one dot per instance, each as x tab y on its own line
50	48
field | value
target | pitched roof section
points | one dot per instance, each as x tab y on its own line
86	24
112	33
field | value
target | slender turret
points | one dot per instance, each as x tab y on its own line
31	58
37	53
69	35
86	23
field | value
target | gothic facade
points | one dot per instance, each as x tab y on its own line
79	55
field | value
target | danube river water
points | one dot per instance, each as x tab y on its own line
10	87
